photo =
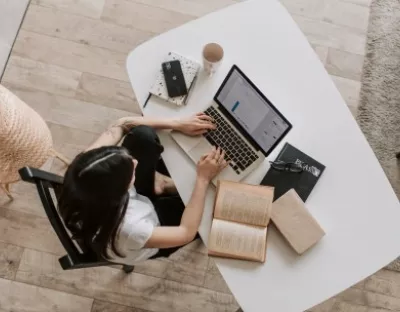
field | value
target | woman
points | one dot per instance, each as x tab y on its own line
114	198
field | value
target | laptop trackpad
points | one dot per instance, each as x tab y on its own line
186	142
200	149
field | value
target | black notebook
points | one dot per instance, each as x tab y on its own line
303	182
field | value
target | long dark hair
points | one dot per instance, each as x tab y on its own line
94	196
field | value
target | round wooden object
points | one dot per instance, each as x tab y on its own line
25	139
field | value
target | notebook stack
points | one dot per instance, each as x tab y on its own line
190	70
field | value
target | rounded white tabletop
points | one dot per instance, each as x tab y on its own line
353	201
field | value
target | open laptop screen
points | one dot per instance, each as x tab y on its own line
252	110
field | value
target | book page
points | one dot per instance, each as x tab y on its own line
244	203
234	240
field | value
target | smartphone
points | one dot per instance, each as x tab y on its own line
174	79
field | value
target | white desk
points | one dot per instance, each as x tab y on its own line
353	201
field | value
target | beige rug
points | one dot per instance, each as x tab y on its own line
379	110
12	13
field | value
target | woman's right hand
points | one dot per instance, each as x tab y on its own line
211	164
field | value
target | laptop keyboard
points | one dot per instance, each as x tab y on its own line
236	149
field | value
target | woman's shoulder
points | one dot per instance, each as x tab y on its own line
139	208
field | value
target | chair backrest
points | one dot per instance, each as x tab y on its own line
78	255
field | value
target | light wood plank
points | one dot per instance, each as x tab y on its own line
10	256
69	112
366	3
41	105
384	282
349	89
142	16
26	199
155	267
84	30
90	8
187	267
21	297
348	14
70	151
322	53
71	55
214	280
109	284
27	230
370	299
194	8
197	246
331	35
348	307
313	9
108	92
41	76
103	306
65	135
69	142
360	284
344	64
324	306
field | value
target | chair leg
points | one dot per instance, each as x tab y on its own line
61	157
398	155
6	189
128	268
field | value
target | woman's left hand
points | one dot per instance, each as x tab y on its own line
195	125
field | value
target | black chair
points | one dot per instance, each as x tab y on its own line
398	155
78	254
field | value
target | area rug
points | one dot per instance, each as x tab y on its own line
12	13
379	109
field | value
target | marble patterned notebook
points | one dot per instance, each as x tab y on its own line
190	69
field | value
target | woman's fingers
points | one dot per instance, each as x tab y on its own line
217	154
221	157
202	158
211	154
199	132
203	116
204	124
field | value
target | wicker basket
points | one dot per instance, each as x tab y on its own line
25	139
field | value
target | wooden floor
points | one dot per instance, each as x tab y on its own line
68	63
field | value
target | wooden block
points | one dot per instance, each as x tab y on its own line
295	223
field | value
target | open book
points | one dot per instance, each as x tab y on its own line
241	215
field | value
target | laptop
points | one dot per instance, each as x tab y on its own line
249	127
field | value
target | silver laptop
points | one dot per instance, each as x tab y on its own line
248	127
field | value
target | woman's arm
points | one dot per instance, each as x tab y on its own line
194	125
116	131
166	237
